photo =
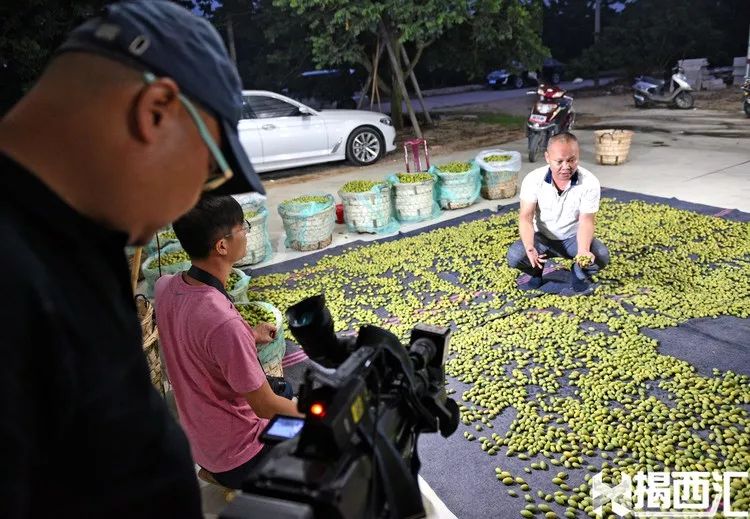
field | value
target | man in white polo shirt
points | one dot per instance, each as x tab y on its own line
557	218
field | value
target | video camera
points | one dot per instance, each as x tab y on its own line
355	453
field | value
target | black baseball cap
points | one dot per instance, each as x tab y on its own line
166	39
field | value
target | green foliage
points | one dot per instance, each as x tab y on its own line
29	32
513	121
495	33
652	35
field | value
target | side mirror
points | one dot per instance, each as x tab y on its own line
304	111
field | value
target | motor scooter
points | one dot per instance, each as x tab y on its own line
648	91
552	113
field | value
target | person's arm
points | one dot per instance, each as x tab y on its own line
586	225
526	230
233	348
266	403
587	217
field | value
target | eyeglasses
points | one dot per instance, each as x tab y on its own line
245	229
221	172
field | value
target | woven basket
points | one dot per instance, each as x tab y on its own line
369	211
150	341
612	146
500	189
414	201
271	354
462	188
256	240
309	232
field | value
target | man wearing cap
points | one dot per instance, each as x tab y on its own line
134	117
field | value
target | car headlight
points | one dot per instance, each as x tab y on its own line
386	121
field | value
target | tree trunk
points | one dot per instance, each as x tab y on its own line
391	44
230	40
415	84
397	115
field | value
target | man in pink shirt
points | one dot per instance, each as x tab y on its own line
223	397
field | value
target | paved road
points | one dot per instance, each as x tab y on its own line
484	96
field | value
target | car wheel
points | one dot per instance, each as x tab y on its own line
518	82
364	146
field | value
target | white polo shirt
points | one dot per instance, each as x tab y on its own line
556	215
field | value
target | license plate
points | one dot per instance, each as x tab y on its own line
493	81
536	118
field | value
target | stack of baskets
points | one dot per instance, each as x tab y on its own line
612	146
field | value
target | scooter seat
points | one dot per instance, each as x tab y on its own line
652	80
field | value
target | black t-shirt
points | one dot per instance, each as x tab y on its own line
82	431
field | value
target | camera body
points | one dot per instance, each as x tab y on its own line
356	454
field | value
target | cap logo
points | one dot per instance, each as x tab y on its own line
107	31
139	45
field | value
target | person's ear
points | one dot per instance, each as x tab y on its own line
156	109
221	247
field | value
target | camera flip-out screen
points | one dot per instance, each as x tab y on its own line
282	428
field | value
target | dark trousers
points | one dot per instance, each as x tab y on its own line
234	478
567	248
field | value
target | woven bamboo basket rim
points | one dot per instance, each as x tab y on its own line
613	135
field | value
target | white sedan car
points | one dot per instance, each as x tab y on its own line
278	133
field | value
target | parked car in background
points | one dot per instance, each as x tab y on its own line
331	88
514	76
517	75
278	133
553	71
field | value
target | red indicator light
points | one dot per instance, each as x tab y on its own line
317	409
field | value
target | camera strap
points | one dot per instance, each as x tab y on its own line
201	275
399	483
278	384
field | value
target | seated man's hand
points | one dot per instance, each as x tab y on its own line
537	260
585	258
264	333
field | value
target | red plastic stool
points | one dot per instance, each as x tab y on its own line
413	147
